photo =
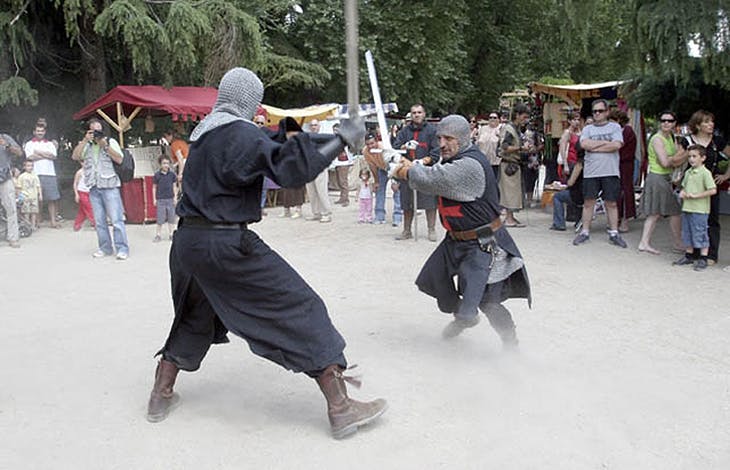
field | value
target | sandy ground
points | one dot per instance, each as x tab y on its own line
623	361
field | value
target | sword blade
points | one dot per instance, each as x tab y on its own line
372	74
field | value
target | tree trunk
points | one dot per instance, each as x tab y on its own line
93	62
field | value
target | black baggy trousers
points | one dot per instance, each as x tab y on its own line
227	280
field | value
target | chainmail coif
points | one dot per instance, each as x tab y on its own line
456	126
239	94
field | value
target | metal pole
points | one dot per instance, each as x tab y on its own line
351	35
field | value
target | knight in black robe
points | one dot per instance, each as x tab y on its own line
226	279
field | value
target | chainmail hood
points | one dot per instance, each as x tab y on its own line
456	126
239	94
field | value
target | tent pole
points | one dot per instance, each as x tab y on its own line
109	120
120	128
128	120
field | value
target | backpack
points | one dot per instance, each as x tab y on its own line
125	170
509	157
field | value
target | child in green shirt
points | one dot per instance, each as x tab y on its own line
697	187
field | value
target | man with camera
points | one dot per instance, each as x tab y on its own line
99	153
477	248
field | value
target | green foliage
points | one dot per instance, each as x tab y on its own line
556	80
16	37
666	28
452	55
17	91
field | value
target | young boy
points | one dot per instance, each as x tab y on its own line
697	187
30	186
81	195
164	190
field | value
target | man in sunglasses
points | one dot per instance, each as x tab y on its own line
601	142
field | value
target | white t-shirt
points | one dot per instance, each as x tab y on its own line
599	164
44	166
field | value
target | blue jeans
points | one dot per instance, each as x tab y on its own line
397	211
380	195
560	199
108	202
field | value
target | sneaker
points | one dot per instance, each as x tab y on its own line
122	256
700	264
156	239
581	238
684	260
99	254
325	219
296	215
432	235
379	222
455	328
617	240
555	227
285	214
314	218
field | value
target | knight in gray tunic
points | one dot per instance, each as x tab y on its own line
477	249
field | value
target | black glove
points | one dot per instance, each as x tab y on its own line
352	133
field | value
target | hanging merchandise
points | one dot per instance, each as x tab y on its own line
149	124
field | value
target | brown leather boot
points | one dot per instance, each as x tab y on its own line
346	414
162	398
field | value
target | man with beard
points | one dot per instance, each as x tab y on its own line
477	248
225	278
419	140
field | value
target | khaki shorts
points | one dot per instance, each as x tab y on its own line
30	206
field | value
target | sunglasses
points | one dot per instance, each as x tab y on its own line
597	111
667	120
493	117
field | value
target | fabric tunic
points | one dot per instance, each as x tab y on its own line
229	279
510	186
428	146
468	199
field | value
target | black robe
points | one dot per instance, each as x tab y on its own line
228	279
465	259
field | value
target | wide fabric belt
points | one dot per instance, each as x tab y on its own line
202	222
467	235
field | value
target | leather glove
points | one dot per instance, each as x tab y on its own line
352	133
401	171
391	156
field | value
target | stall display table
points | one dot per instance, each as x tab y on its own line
137	196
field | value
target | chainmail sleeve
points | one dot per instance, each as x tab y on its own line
461	180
